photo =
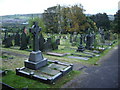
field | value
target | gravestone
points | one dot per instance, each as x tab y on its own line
102	35
107	35
71	38
5	36
89	41
55	45
36	59
84	38
39	68
8	42
41	42
17	39
24	43
81	48
48	45
75	36
58	41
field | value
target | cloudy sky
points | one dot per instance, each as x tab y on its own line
8	7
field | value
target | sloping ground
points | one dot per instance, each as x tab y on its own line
103	76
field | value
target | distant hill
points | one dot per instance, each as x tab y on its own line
18	18
23	18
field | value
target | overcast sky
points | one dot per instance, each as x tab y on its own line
8	7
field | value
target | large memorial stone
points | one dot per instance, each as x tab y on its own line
36	66
36	59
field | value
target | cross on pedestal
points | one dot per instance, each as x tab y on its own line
35	31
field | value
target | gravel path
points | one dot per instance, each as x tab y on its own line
103	76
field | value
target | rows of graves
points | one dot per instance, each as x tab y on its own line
25	42
39	68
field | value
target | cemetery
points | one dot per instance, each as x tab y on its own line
34	58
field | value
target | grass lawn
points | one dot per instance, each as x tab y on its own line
21	82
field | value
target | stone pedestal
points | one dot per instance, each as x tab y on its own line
35	60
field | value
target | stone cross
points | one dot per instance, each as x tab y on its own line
35	31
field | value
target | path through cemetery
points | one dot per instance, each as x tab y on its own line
103	76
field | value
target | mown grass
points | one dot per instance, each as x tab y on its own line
21	82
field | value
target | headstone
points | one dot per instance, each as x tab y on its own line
58	41
88	41
74	36
80	48
8	42
17	39
84	38
55	45
23	40
41	42
102	35
48	45
107	36
71	38
36	59
5	36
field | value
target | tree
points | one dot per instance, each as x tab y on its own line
40	23
117	22
101	20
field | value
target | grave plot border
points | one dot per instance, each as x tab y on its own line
20	72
